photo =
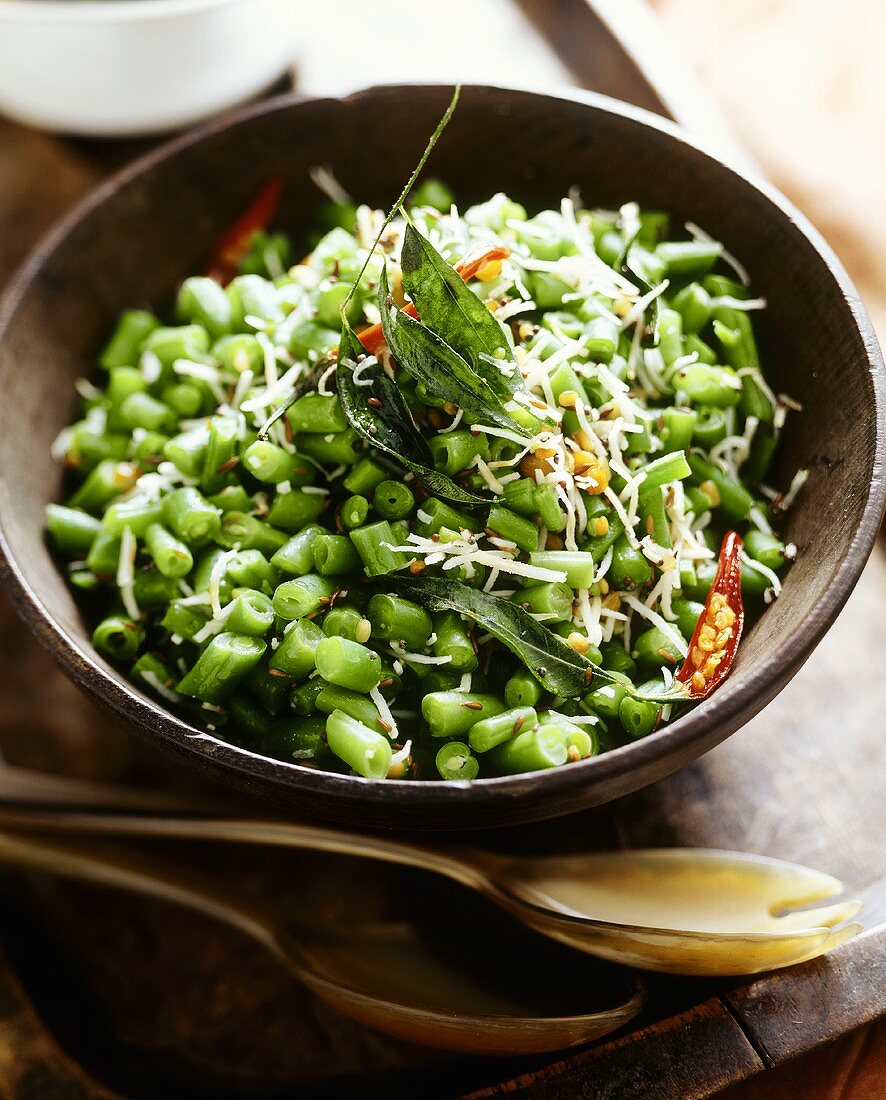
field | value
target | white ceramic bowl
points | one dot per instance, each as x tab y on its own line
112	68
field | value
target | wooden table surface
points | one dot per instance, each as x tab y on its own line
803	781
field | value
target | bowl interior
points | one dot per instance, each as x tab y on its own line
148	228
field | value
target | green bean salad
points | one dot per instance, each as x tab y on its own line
441	499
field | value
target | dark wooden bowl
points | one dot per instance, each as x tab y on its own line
152	224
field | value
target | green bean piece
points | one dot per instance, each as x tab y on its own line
551	599
104	482
368	753
332	449
668	467
599	544
204	302
252	296
152	672
332	697
513	528
148	450
629	568
248	569
252	614
239	352
170	555
316	412
170	343
118	638
295	738
72	530
233	498
365	477
271	691
677	426
581	740
708	385
437	514
304	697
687	614
104	554
616	658
296	654
122	350
605	700
245	532
654	648
693	303
296	556
489	732
578	566
151	589
269	463
187	450
670	335
294	510
348	664
221	452
727	494
734	329
395	619
298	598
453	713
765	548
250	718
637	717
354	512
137	514
754	583
190	515
548	507
651	508
334	555
455	762
185	620
710	427
457	451
346	622
140	410
373	543
532	750
185	398
393	500
221	666
455	642
86	448
688	259
522	689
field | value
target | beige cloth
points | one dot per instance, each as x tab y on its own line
804	83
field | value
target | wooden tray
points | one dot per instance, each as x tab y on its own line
102	995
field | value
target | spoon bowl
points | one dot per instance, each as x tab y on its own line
154	223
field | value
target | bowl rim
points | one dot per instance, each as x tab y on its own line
78	12
726	711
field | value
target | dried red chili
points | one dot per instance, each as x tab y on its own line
473	261
234	244
718	631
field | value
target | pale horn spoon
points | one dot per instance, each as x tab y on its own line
387	975
684	911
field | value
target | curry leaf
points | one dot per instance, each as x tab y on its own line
558	668
448	306
387	423
431	361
